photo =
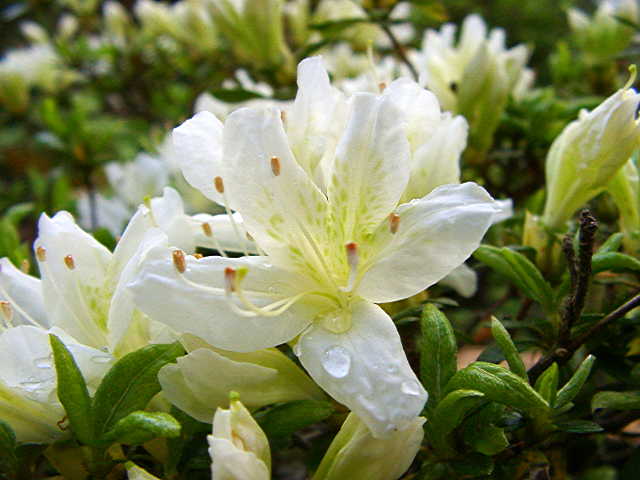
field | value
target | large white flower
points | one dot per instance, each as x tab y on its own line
322	203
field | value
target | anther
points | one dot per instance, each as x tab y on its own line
69	262
275	165
249	237
382	86
41	253
25	266
219	184
206	228
230	279
394	222
198	255
283	116
179	260
352	260
7	311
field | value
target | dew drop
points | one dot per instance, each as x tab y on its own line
100	359
336	361
410	387
31	386
43	362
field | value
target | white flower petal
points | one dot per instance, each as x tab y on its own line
462	279
365	368
198	145
168	213
221	233
75	297
282	208
435	235
170	297
371	169
24	294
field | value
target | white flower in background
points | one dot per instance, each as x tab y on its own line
238	447
360	35
321	199
588	153
603	36
117	22
625	190
28	400
261	378
111	213
134	181
355	453
473	77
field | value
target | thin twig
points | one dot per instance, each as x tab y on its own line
400	51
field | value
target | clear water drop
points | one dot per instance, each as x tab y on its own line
410	387
43	362
31	386
100	359
336	361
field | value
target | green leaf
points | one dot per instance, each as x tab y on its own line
499	385
438	353
140	427
473	466
615	262
130	384
616	400
579	426
73	393
611	244
519	269
282	421
575	383
481	432
547	384
448	415
235	95
504	341
8	445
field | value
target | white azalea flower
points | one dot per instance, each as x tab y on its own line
238	447
336	241
355	453
261	378
111	213
133	181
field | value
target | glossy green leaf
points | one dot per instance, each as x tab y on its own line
73	393
438	353
579	426
575	383
448	414
481	432
140	427
611	244
520	270
616	400
499	385
511	354
547	384
130	384
615	262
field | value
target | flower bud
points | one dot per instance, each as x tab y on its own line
355	453
238	447
588	153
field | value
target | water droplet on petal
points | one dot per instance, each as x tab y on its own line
100	359
411	387
43	362
336	361
31	386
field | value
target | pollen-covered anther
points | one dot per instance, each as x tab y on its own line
230	279
206	228
382	86
283	116
275	165
219	184
394	222
179	260
41	253
7	311
69	262
198	255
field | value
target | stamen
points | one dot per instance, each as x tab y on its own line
382	86
219	184
147	203
394	222
633	72
7	312
352	260
198	255
179	260
208	231
229	279
275	165
25	266
206	228
41	253
283	116
69	262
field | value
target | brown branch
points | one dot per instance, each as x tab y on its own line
400	51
